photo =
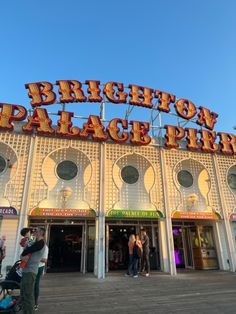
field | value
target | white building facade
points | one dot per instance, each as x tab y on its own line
91	196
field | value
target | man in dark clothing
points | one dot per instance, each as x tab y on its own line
146	251
31	269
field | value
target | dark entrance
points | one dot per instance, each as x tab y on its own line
118	254
118	246
65	247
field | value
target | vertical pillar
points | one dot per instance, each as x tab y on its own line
219	245
101	216
164	261
107	248
228	230
84	248
26	194
96	248
101	247
168	222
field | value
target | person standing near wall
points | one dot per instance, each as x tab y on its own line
24	243
41	268
140	255
146	252
29	273
2	251
131	255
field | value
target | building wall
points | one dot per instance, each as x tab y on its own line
14	148
225	166
204	186
225	163
45	189
147	193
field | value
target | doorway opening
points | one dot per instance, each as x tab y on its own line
194	247
182	237
117	245
65	248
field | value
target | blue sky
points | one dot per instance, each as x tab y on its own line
184	47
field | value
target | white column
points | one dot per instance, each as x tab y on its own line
219	244
168	221
26	194
164	260
101	216
101	247
107	248
96	248
84	247
226	222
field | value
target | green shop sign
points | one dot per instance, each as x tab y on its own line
119	213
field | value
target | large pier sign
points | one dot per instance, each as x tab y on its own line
73	91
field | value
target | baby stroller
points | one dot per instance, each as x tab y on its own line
10	301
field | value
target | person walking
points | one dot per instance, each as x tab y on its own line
146	251
30	271
2	251
41	268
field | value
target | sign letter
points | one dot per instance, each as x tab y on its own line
228	143
206	117
185	108
94	91
40	119
65	124
140	133
146	95
71	91
208	141
192	139
114	130
109	92
95	127
173	133
38	90
164	100
7	114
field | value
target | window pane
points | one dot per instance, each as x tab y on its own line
130	174
232	178
185	178
67	170
3	164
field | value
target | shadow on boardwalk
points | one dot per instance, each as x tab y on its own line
188	292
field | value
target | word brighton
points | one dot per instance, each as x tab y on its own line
71	91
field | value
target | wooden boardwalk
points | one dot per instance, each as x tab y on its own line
189	292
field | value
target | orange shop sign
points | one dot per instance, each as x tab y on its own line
195	215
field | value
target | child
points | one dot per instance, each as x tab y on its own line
25	242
